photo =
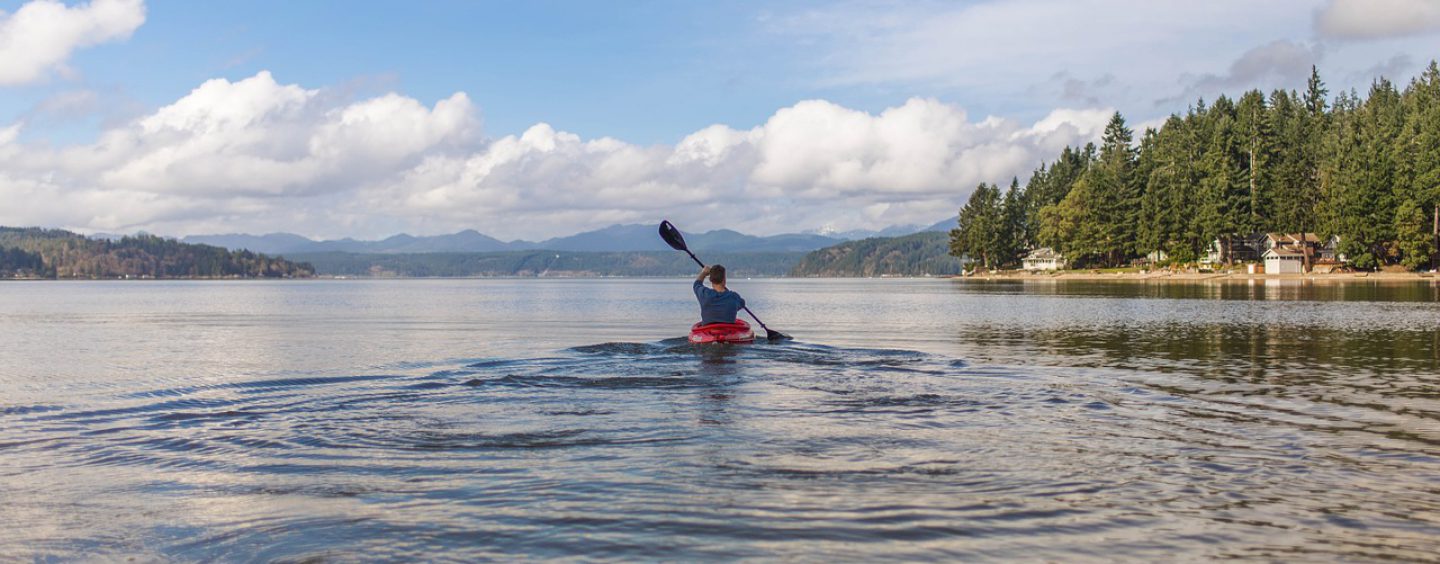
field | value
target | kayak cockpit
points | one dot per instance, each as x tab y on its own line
737	332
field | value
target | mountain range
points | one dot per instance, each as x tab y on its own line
616	238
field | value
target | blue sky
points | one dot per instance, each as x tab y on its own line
647	72
535	119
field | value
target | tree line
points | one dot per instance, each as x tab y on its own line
54	253
1364	169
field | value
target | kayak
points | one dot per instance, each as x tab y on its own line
737	332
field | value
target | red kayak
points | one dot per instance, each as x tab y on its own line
737	332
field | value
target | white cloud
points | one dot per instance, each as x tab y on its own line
1374	19
255	137
40	36
258	155
809	165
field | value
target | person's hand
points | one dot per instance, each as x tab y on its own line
705	271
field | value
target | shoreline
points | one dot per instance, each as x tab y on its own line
1022	276
1193	277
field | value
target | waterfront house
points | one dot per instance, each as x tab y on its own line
1285	260
1273	240
1320	250
1242	248
1043	258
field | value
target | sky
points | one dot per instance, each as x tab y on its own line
527	120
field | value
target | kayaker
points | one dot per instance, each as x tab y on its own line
719	305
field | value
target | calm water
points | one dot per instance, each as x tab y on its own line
924	419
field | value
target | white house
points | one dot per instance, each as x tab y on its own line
1242	248
1043	258
1284	260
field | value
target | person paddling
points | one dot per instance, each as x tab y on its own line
719	305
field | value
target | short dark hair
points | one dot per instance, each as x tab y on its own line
717	274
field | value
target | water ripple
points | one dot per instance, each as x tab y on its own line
665	451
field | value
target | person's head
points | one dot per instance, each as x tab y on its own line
717	274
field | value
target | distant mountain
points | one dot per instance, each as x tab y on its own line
854	234
616	238
273	243
543	264
726	240
639	237
922	254
944	225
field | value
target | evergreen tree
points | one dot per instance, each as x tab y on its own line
1071	226
1225	196
1013	242
1254	124
1421	145
1116	199
1414	243
981	228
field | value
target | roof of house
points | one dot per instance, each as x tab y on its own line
1284	252
1043	253
1292	238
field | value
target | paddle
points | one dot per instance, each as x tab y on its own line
672	237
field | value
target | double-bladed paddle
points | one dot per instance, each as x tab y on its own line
672	237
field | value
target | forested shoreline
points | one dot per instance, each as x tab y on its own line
34	252
919	254
1363	169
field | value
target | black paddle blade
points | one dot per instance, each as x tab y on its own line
672	236
773	335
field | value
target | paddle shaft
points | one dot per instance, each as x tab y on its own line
746	308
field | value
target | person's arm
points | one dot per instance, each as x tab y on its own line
700	284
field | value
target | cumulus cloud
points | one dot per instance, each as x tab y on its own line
258	155
226	151
39	37
810	164
1375	19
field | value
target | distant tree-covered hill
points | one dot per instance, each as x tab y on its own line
543	263
53	253
616	238
921	254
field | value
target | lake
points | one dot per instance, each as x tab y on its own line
532	419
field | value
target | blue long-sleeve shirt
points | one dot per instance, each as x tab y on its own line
717	307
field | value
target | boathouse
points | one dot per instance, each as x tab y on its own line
1284	260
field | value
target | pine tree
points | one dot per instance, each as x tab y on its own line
1421	143
1254	124
1225	197
1012	240
981	227
1116	195
1414	243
